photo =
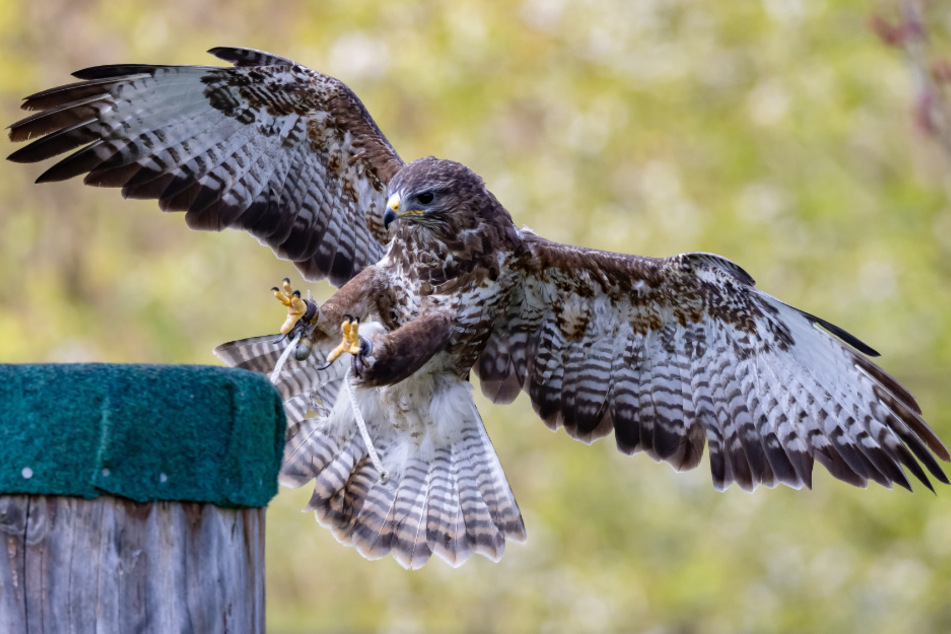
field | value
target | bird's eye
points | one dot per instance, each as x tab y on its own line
425	198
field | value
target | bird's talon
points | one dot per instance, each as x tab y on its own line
350	328
297	307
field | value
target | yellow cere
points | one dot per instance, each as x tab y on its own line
394	202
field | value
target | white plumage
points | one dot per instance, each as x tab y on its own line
444	491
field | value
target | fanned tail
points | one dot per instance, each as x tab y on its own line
445	492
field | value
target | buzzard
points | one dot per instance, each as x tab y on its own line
436	282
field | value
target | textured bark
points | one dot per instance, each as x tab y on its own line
113	565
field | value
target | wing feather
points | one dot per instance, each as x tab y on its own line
680	352
268	146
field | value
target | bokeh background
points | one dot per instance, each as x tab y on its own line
781	134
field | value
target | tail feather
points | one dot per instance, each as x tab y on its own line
445	510
337	510
371	532
310	452
482	535
307	391
411	548
494	487
445	492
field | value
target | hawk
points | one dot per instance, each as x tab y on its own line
671	354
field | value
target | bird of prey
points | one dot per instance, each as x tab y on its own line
437	282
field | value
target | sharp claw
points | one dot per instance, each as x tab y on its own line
297	307
351	341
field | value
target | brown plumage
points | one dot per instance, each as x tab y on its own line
671	354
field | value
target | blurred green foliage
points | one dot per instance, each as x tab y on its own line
777	133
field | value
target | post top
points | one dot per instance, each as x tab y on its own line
145	432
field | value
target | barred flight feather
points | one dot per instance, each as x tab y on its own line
698	355
268	146
307	391
445	493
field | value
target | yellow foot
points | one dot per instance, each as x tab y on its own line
351	339
296	307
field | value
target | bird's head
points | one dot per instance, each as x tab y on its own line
441	195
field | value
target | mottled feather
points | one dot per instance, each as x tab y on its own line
672	354
698	353
269	146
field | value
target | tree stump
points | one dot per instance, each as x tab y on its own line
132	497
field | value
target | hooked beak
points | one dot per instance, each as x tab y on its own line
392	210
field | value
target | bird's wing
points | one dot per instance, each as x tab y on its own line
307	388
677	352
269	146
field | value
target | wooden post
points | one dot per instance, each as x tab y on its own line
132	497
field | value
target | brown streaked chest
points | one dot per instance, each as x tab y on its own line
475	284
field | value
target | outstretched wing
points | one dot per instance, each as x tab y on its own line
672	353
307	388
269	146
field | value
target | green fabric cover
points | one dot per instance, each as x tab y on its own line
145	432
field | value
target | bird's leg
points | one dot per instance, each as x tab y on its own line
351	338
301	315
359	347
296	305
